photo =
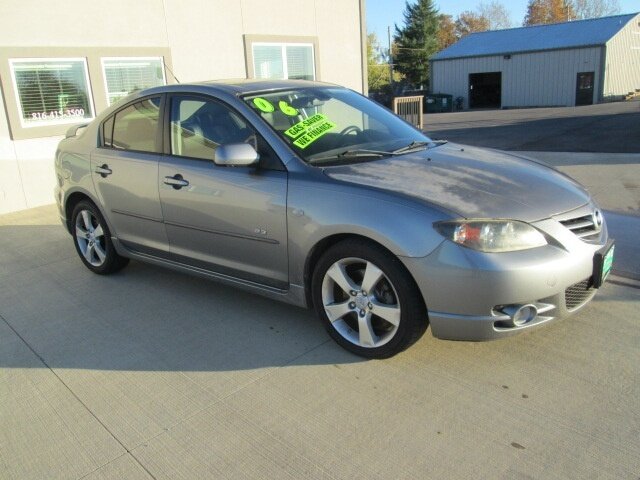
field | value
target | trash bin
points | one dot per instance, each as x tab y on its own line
438	103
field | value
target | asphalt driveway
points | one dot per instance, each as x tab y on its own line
154	374
604	128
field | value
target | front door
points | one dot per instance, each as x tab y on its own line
230	220
124	169
584	88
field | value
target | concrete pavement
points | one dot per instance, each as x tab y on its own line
614	182
613	179
150	374
153	374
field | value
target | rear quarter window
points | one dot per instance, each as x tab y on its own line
107	132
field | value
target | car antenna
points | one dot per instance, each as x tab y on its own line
171	72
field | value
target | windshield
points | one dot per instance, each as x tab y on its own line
335	125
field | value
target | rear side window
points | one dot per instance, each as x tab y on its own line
136	126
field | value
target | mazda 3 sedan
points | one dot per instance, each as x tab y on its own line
312	194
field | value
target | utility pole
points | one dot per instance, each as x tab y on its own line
390	60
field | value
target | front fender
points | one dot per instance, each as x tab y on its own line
318	211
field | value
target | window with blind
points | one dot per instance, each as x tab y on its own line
52	91
283	61
125	75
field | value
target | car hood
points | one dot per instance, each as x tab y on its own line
471	182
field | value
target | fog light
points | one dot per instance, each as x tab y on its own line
521	314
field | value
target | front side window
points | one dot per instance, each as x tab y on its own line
135	127
125	75
335	125
284	61
199	126
52	91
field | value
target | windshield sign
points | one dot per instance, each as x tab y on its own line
335	125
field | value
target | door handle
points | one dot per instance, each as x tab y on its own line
177	182
103	170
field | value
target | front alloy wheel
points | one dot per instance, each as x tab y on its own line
361	302
367	300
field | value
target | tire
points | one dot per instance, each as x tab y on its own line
92	239
378	323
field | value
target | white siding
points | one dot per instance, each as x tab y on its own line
204	37
528	79
622	69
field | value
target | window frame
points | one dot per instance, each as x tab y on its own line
283	51
251	39
120	58
159	140
69	121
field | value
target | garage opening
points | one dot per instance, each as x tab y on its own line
485	90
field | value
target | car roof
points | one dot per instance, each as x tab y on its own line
237	87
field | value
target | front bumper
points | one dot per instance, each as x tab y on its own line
466	291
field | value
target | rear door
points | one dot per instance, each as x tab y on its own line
125	173
584	88
230	220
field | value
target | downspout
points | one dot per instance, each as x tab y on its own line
363	49
603	73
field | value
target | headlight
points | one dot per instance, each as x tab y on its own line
492	235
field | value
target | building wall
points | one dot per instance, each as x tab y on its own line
528	80
203	40
622	63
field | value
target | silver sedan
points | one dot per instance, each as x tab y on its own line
312	194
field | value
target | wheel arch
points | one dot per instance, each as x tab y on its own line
73	198
325	244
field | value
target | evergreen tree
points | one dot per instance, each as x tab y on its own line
416	41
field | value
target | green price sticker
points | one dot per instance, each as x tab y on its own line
287	109
263	105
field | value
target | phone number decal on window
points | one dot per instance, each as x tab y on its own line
58	114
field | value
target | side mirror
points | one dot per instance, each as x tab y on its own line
236	155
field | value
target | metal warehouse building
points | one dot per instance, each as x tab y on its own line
563	64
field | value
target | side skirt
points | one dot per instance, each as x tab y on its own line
294	295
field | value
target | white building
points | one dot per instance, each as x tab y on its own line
63	62
563	64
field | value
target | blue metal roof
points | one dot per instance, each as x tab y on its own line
579	33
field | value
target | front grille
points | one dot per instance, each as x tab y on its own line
583	226
577	294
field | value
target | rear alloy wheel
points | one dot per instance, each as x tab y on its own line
367	300
93	240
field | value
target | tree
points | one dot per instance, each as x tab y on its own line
595	8
417	40
378	73
470	22
548	11
378	66
496	13
446	31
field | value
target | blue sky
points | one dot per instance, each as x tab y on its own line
381	13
